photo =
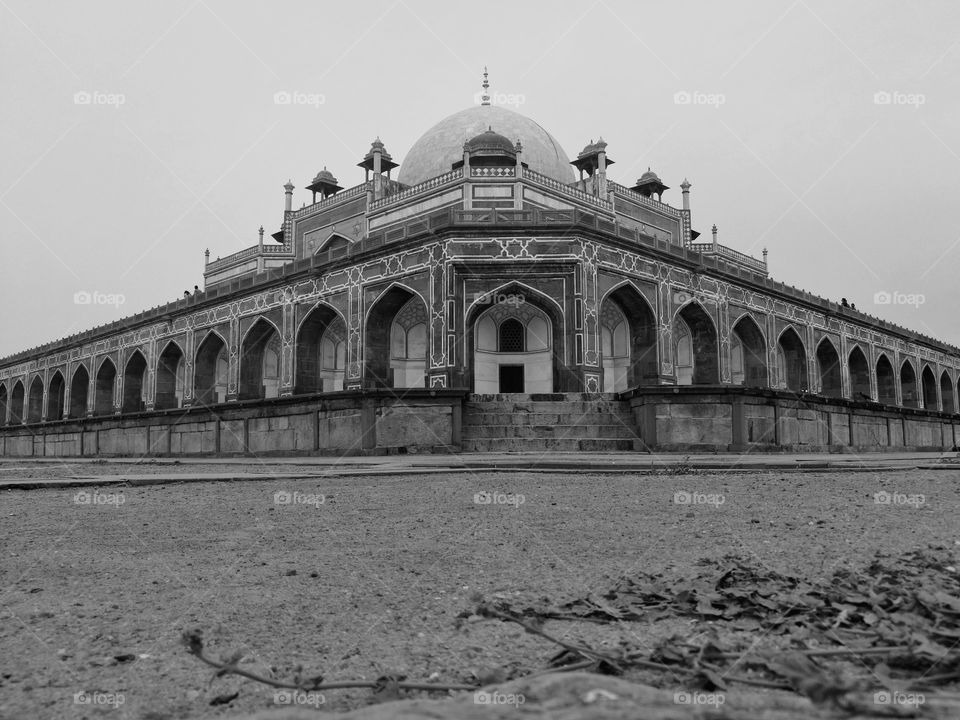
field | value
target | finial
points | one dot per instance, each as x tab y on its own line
685	185
486	87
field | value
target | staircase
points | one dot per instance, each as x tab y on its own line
560	422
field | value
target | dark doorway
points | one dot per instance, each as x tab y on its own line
511	378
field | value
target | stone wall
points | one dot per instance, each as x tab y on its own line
368	422
736	419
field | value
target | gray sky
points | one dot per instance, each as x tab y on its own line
182	146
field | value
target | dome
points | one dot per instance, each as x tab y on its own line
442	145
325	176
490	141
648	176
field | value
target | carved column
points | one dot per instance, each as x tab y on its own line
288	328
233	369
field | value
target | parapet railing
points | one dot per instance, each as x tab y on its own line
706	248
246	254
340	197
642	199
414	190
572	192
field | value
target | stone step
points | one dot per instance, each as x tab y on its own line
613	432
551	445
578	407
519	418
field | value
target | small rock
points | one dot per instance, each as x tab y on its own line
290	572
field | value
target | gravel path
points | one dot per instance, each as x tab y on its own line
368	579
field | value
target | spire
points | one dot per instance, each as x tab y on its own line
486	88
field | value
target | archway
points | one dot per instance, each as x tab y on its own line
886	381
828	365
56	397
321	351
395	341
514	350
628	340
79	390
928	384
133	383
859	375
106	382
793	361
210	369
16	404
696	348
3	404
35	401
260	362
170	369
908	385
748	352
947	395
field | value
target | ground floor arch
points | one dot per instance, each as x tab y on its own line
35	401
260	362
210	370
4	403
170	378
859	370
628	340
828	368
792	357
696	351
134	383
56	397
910	396
928	387
947	395
748	354
320	356
886	381
395	341
513	350
17	400
106	382
79	392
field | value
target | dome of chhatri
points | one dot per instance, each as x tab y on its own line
442	145
648	176
490	141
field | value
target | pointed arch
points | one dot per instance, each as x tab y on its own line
56	397
170	373
17	396
79	392
35	400
260	361
886	381
828	367
210	369
383	366
793	360
640	339
697	351
336	244
909	392
859	370
105	384
4	403
748	353
947	395
928	387
134	383
309	376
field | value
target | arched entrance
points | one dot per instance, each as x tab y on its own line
828	365
859	375
134	383
260	362
395	341
928	383
79	391
628	340
748	354
321	351
56	397
793	361
3	404
908	385
695	346
946	393
16	404
514	350
106	381
169	378
886	381
210	369
35	401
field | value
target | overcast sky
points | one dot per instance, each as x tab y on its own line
176	143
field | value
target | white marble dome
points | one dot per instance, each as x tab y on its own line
442	145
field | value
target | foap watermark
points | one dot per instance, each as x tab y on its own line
85	297
84	497
482	697
893	697
698	698
285	497
296	97
684	497
85	97
888	498
297	697
484	497
883	297
695	97
895	97
98	698
499	298
498	98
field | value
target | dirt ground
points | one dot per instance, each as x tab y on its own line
360	577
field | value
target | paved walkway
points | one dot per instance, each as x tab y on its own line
17	472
